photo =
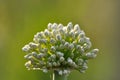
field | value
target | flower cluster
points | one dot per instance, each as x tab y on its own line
60	48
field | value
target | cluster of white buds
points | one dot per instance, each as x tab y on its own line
60	48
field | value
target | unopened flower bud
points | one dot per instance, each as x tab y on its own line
53	49
46	32
54	26
26	48
45	70
60	72
76	27
62	59
49	26
58	37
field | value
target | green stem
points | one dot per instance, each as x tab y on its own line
56	76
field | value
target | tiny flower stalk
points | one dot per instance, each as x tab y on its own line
60	49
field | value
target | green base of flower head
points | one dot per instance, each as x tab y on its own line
56	76
60	48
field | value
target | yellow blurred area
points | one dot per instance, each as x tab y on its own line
21	19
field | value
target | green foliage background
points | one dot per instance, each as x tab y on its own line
21	19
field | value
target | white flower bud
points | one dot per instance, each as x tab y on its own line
52	41
26	48
53	56
91	55
54	26
54	32
41	55
95	51
53	49
45	70
27	56
43	41
63	41
64	29
80	61
60	26
82	71
58	37
34	54
65	72
46	32
49	64
54	64
66	44
60	72
71	46
76	27
81	40
49	26
59	54
62	59
69	26
74	43
40	35
33	45
72	34
28	64
61	31
69	60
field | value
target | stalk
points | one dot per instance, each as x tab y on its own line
56	76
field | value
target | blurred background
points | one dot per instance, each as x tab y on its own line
21	19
